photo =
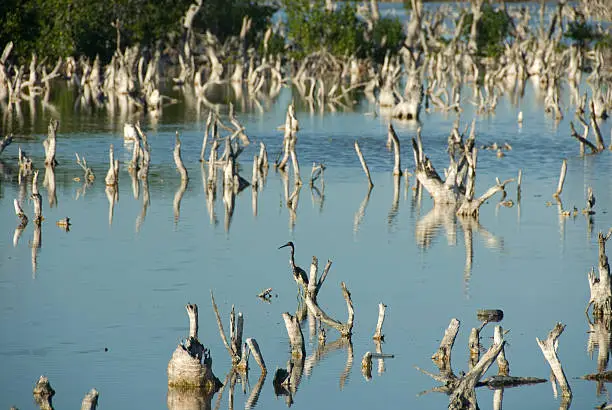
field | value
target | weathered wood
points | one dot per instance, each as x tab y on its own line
256	352
549	349
112	176
503	382
209	124
50	142
442	357
296	338
601	285
43	393
37	200
363	164
397	166
191	365
502	363
20	214
82	162
345	329
178	160
561	179
90	401
474	348
379	324
464	394
490	315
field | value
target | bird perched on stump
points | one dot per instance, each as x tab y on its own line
298	273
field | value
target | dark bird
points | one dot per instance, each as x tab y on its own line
298	273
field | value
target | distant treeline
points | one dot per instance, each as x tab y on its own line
60	28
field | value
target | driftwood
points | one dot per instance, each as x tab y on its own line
286	381
459	186
378	335
397	166
49	143
345	329
191	365
238	354
37	200
549	349
363	164
601	285
112	176
43	395
82	162
20	214
178	160
462	389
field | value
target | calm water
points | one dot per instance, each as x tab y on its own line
123	285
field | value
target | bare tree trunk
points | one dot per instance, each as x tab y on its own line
178	160
561	179
397	167
191	364
49	144
363	164
601	285
549	349
381	318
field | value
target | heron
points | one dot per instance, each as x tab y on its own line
298	273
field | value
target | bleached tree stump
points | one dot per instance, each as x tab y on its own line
364	165
90	401
112	176
43	393
49	143
378	335
178	160
191	365
601	285
37	200
549	349
442	357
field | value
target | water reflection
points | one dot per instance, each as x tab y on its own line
444	218
600	338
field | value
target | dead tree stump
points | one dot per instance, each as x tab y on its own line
601	285
191	365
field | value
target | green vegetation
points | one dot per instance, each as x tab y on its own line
585	35
311	27
60	28
493	28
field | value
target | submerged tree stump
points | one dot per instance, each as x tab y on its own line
191	365
601	285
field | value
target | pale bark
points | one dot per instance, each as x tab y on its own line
363	164
296	338
397	167
37	200
43	393
549	349
379	324
191	365
90	401
561	179
442	357
601	285
178	160
112	176
49	143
